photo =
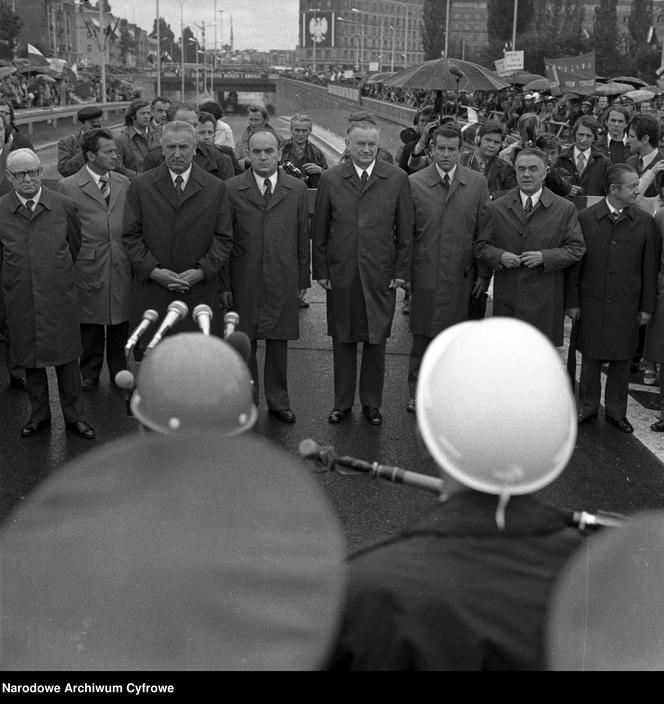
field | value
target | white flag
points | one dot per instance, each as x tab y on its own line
34	51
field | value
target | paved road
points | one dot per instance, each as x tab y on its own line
608	471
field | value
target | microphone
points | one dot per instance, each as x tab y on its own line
176	312
203	317
149	316
231	321
241	343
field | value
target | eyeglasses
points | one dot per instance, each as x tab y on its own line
20	175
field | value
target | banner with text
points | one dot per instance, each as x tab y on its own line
318	28
573	74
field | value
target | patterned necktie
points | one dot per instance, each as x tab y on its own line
364	178
104	187
446	180
528	206
580	163
267	193
178	186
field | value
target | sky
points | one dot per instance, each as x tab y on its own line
257	24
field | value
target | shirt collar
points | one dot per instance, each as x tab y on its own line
450	173
369	168
34	199
260	181
535	197
185	177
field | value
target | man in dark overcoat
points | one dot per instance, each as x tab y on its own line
269	263
612	291
362	232
177	231
40	237
531	237
103	271
451	209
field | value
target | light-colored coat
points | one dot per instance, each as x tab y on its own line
103	271
270	259
37	254
362	239
535	295
447	224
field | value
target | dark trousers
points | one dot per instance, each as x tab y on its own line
93	340
275	373
615	393
69	388
417	350
372	373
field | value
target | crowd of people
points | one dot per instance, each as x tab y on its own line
177	210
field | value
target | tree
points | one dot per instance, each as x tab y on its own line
433	29
605	31
10	26
500	19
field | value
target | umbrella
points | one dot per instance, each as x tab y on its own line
7	71
639	96
635	82
439	74
537	84
522	78
612	88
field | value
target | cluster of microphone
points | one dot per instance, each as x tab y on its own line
176	312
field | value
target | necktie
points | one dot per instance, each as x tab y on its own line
528	206
104	187
364	178
267	193
580	163
178	186
446	180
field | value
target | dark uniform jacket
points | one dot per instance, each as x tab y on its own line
453	592
616	279
592	178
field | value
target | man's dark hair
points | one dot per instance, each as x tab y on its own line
491	127
646	126
615	174
586	121
448	132
90	140
531	151
213	108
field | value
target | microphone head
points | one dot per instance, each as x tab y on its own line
241	343
231	318
308	447
151	315
125	380
201	309
179	307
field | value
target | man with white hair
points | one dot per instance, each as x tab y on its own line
40	237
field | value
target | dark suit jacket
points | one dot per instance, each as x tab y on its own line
207	158
633	161
159	231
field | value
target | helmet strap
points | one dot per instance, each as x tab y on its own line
500	510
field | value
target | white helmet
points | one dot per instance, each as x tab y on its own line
495	406
191	383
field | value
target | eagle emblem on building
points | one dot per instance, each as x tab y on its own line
318	28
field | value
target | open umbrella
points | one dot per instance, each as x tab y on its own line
612	88
639	96
444	74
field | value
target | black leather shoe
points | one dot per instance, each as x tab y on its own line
32	427
623	425
338	414
283	414
82	429
372	414
89	384
584	418
18	382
